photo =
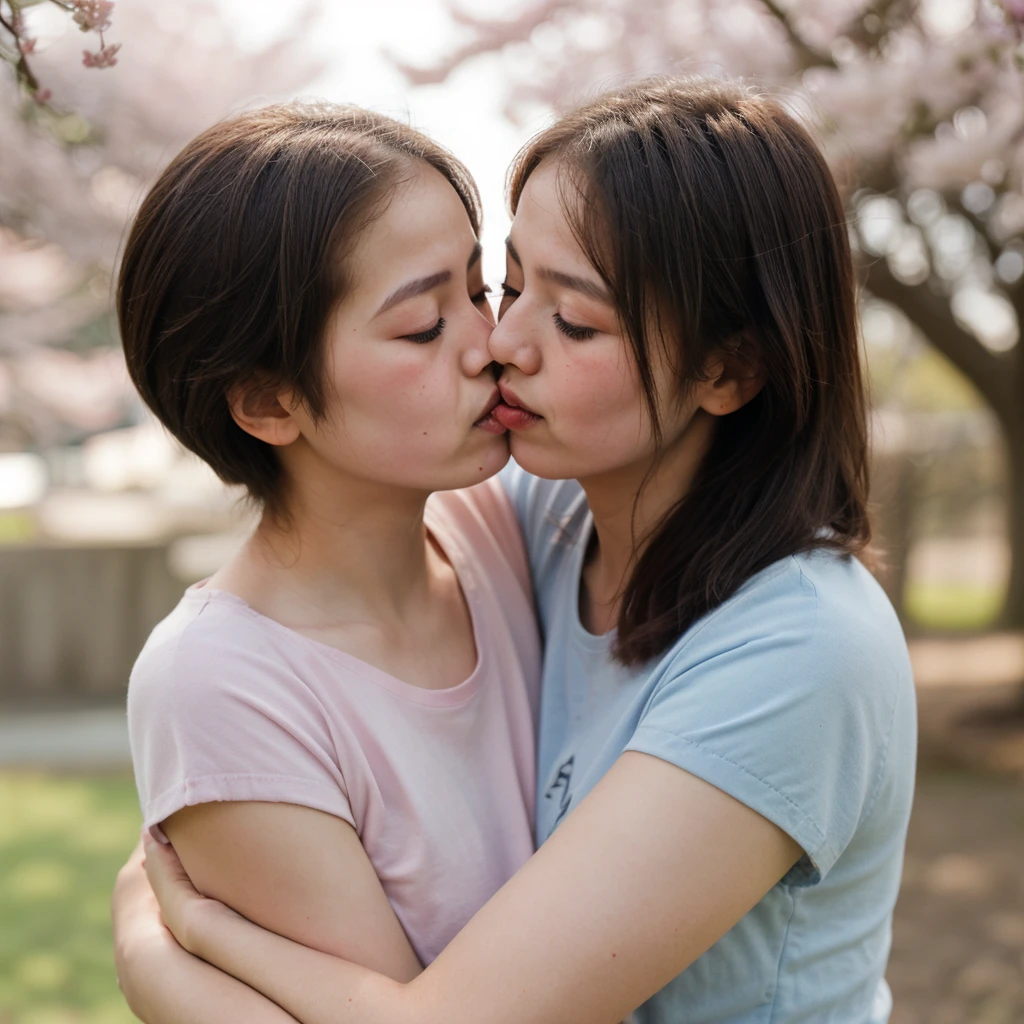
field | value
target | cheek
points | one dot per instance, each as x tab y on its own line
400	388
377	410
601	401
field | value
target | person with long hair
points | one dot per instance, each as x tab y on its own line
727	734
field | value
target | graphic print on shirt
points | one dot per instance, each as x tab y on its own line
563	780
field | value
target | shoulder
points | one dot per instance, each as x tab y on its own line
210	625
535	498
805	663
787	695
820	610
221	707
551	514
211	651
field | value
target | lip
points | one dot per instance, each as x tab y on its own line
510	398
487	420
511	413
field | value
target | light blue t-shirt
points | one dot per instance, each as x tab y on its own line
795	697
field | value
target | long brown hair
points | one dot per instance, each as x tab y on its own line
711	216
236	260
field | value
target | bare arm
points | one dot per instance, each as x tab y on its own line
298	872
295	871
162	983
649	872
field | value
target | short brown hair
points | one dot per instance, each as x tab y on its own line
708	210
235	262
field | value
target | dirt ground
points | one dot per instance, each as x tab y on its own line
958	939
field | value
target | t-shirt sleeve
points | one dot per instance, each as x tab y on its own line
789	714
213	716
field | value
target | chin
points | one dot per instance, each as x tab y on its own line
542	461
560	463
474	469
493	459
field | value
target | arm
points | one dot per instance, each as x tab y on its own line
161	982
295	871
651	870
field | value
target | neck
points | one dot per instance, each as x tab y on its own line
348	548
629	503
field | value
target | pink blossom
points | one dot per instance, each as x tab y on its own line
106	57
141	111
1015	9
93	16
27	46
42	96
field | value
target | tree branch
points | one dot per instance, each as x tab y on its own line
489	37
809	57
992	373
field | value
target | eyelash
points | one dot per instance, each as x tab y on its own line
574	331
425	336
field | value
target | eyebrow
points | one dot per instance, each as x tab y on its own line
577	284
411	289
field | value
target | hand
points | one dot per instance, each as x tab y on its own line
181	904
137	925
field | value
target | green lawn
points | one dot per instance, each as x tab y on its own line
62	840
953	606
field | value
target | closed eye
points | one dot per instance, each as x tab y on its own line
481	296
424	336
508	296
574	331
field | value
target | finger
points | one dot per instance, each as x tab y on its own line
164	868
131	879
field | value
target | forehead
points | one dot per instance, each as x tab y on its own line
423	228
540	227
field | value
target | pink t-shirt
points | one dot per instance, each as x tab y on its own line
226	704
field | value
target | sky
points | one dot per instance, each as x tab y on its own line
464	114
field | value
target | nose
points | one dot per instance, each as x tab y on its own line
475	356
513	344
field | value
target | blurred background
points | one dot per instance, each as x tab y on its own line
919	105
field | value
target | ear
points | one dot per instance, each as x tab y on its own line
265	411
733	376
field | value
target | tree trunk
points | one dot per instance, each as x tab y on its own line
1013	611
892	497
1000	379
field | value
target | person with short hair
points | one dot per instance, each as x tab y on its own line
337	729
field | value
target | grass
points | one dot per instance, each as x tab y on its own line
953	606
61	842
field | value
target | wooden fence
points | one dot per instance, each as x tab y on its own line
72	619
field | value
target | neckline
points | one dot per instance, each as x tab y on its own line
448	696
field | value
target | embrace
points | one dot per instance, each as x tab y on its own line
553	685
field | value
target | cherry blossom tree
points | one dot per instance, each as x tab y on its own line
919	105
73	170
17	45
